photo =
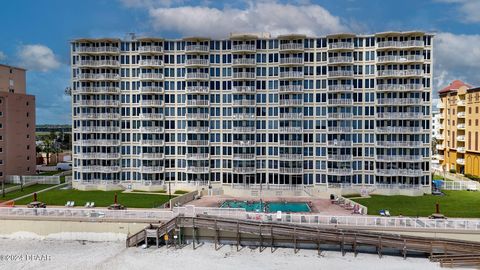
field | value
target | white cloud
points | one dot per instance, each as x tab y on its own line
37	57
456	57
2	56
270	16
469	9
147	3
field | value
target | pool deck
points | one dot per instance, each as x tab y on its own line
319	206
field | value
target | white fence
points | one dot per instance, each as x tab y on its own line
39	179
460	185
407	223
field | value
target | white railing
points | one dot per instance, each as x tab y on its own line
98	76
292	60
340	73
155	76
291	74
99	103
339	143
340	45
198	116
100	155
461	138
399	87
461	114
98	63
151	102
92	142
340	115
460	161
197	62
155	116
297	157
244	169
400	115
198	129
340	157
243	47
244	89
406	72
98	89
290	170
241	116
340	87
150	62
399	129
153	169
99	129
461	149
460	185
400	58
399	143
197	142
150	49
291	116
408	43
243	129
291	46
102	169
102	49
153	155
244	142
244	102
291	88
400	157
340	171
197	75
290	129
399	101
39	179
243	156
244	61
461	126
197	48
291	102
152	142
151	89
339	129
399	172
197	89
340	59
197	102
98	115
193	169
243	75
198	156
290	143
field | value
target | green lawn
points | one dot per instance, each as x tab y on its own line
50	173
453	204
144	191
101	198
181	192
26	190
8	185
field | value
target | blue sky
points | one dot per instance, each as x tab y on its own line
40	31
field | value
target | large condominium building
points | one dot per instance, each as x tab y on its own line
458	143
17	124
337	110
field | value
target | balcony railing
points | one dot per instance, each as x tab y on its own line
243	142
461	150
293	116
151	76
295	157
102	49
291	75
153	116
198	116
440	147
340	60
244	129
400	101
153	169
461	102
461	115
244	102
243	75
100	169
197	156
98	76
337	143
340	73
151	89
291	102
339	129
150	49
340	87
399	87
244	89
346	171
151	102
197	169
440	137
291	61
460	161
400	58
243	48
197	76
399	172
340	101
102	103
400	44
340	157
291	46
340	45
198	129
400	73
399	143
197	89
291	89
340	115
439	157
243	116
152	142
244	62
399	129
244	169
399	157
197	142
197	62
98	116
461	126
98	89
290	129
290	143
401	115
152	129
100	129
197	48
93	142
197	103
290	170
100	155
98	63
243	156
461	138
153	155
150	62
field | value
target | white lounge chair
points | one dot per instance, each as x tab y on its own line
72	203
92	204
67	204
387	213
87	205
279	215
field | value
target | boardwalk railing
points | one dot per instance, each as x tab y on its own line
408	223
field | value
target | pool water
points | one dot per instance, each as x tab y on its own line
269	207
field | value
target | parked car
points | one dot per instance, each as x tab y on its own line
64	166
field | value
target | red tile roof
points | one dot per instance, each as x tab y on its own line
453	86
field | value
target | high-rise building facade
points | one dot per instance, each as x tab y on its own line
337	110
17	124
459	139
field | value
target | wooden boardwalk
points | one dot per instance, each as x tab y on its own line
181	230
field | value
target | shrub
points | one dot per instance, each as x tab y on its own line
472	177
453	171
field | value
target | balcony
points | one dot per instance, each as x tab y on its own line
244	129
151	76
98	76
245	48
198	169
100	129
291	46
340	115
197	90
399	143
153	169
151	89
399	101
153	155
461	150
197	62
151	103
150	49
197	49
291	102
197	103
340	60
150	63
400	44
100	169
439	157
290	89
198	116
440	137
243	116
440	147
290	143
93	142
152	129
197	76
98	63
244	169
108	116
102	103
294	61
337	143
198	156
291	116
100	155
291	75
294	157
290	170
243	89
461	115
244	62
400	87
399	158
399	115
198	129
94	50
400	172
197	142
243	75
243	156
151	116
399	129
460	161
340	87
244	102
461	103
340	73
243	142
339	129
441	105
98	90
341	46
401	59
290	129
149	142
461	126
339	157
345	171
401	73
461	138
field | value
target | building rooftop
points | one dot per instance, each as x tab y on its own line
453	86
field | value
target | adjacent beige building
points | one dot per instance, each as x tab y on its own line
17	124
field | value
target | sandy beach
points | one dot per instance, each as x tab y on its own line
107	251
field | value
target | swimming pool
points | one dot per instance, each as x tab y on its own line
269	207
